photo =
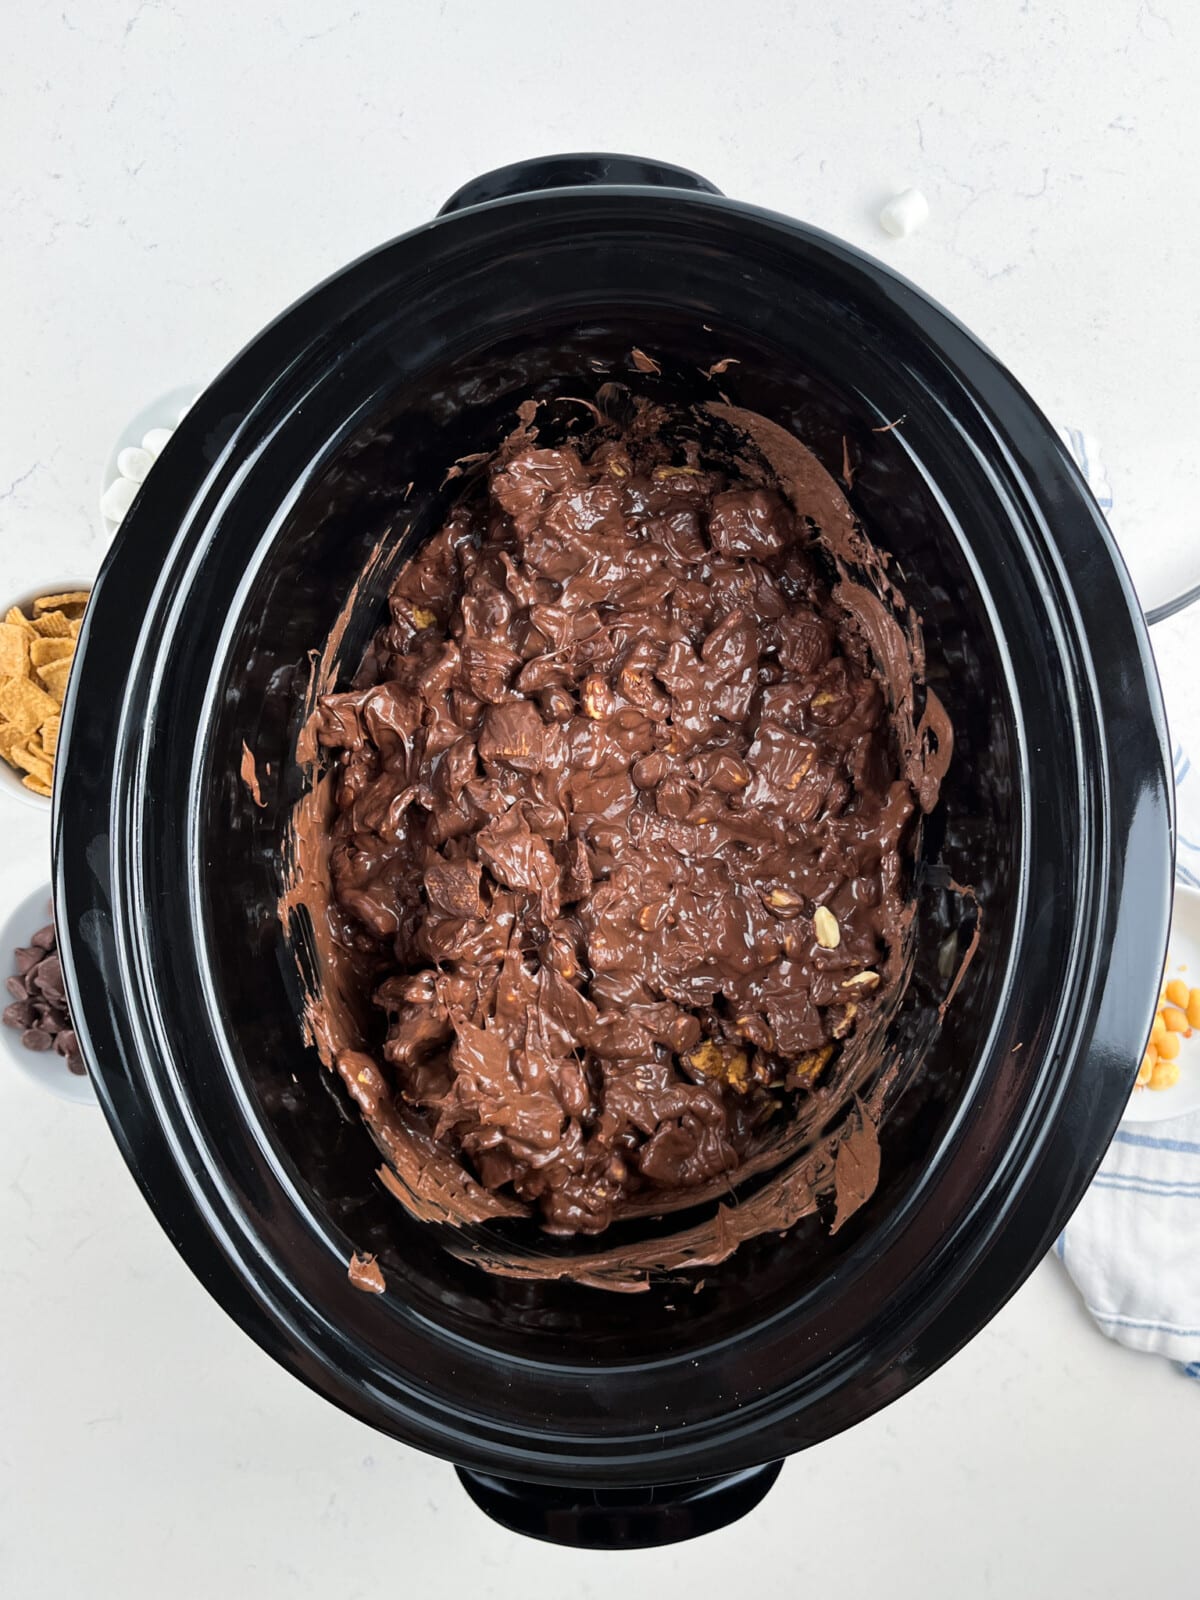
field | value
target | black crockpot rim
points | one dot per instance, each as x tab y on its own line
125	1096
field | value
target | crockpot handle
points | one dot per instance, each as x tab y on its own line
619	1519
567	172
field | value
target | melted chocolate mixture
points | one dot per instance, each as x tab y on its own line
619	827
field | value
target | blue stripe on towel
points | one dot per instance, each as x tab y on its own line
1162	1185
1150	1187
1108	1178
1149	1142
1145	1322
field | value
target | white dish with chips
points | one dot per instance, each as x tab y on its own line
10	777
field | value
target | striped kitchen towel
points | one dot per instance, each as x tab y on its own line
1133	1246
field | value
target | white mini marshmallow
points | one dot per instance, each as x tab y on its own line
904	213
156	440
118	497
183	411
134	463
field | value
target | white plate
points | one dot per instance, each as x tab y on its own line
1165	568
45	1067
1155	1105
161	413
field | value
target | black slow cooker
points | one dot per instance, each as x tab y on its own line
578	1415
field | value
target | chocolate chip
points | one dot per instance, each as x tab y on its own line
25	959
18	1015
43	939
67	1044
17	987
50	978
36	1039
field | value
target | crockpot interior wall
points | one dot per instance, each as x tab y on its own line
908	493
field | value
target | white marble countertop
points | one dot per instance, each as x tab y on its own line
168	181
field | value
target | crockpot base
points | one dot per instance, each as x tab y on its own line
619	1519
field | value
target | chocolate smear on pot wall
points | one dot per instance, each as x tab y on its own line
249	775
366	1274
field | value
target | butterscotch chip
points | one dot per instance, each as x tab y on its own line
37	785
